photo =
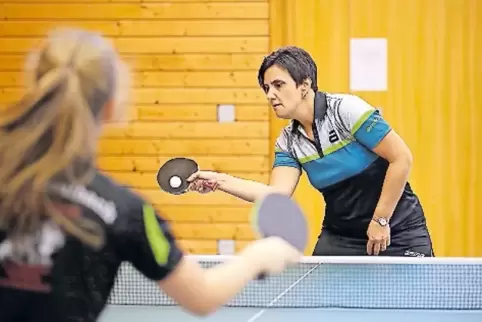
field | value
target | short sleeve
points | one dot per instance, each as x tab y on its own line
282	154
364	122
147	242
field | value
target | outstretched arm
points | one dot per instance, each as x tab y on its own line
283	180
146	240
284	176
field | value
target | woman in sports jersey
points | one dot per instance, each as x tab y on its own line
350	154
64	227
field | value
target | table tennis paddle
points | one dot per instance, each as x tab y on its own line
172	175
278	215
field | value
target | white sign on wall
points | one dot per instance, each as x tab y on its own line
368	64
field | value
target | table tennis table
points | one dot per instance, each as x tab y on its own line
334	289
175	314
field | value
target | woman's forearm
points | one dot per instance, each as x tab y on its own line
395	181
242	188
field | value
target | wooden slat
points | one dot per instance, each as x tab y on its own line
173	96
213	231
218	163
212	61
167	62
217	198
208	246
196	214
192	113
188	130
12	63
226	79
183	147
124	1
192	45
147	180
191	95
194	10
197	112
154	45
196	79
11	79
198	247
129	28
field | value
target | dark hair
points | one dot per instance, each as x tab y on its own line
52	130
296	61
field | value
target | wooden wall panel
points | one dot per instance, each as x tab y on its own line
189	130
143	28
152	45
167	62
120	1
208	214
143	11
197	112
161	95
171	147
186	58
225	79
216	163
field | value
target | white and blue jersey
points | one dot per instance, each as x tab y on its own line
340	164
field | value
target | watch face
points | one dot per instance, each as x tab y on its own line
382	221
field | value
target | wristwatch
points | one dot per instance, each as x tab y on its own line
380	220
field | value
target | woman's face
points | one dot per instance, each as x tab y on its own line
282	92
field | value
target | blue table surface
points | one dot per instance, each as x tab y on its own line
174	314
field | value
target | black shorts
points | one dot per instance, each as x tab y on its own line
412	243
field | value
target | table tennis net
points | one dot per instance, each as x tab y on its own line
367	283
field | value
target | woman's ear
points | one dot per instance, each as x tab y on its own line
305	87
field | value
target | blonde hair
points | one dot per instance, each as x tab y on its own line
52	132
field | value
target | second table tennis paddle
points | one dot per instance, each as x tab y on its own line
278	215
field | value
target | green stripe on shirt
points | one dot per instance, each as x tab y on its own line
157	240
361	120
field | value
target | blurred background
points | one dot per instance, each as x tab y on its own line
194	60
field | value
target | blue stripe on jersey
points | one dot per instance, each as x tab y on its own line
372	130
339	165
282	159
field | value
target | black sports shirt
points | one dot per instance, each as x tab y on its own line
53	277
341	164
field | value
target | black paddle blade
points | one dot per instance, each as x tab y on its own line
182	168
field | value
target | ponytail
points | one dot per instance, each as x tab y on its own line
49	135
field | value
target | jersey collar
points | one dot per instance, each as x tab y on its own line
320	107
